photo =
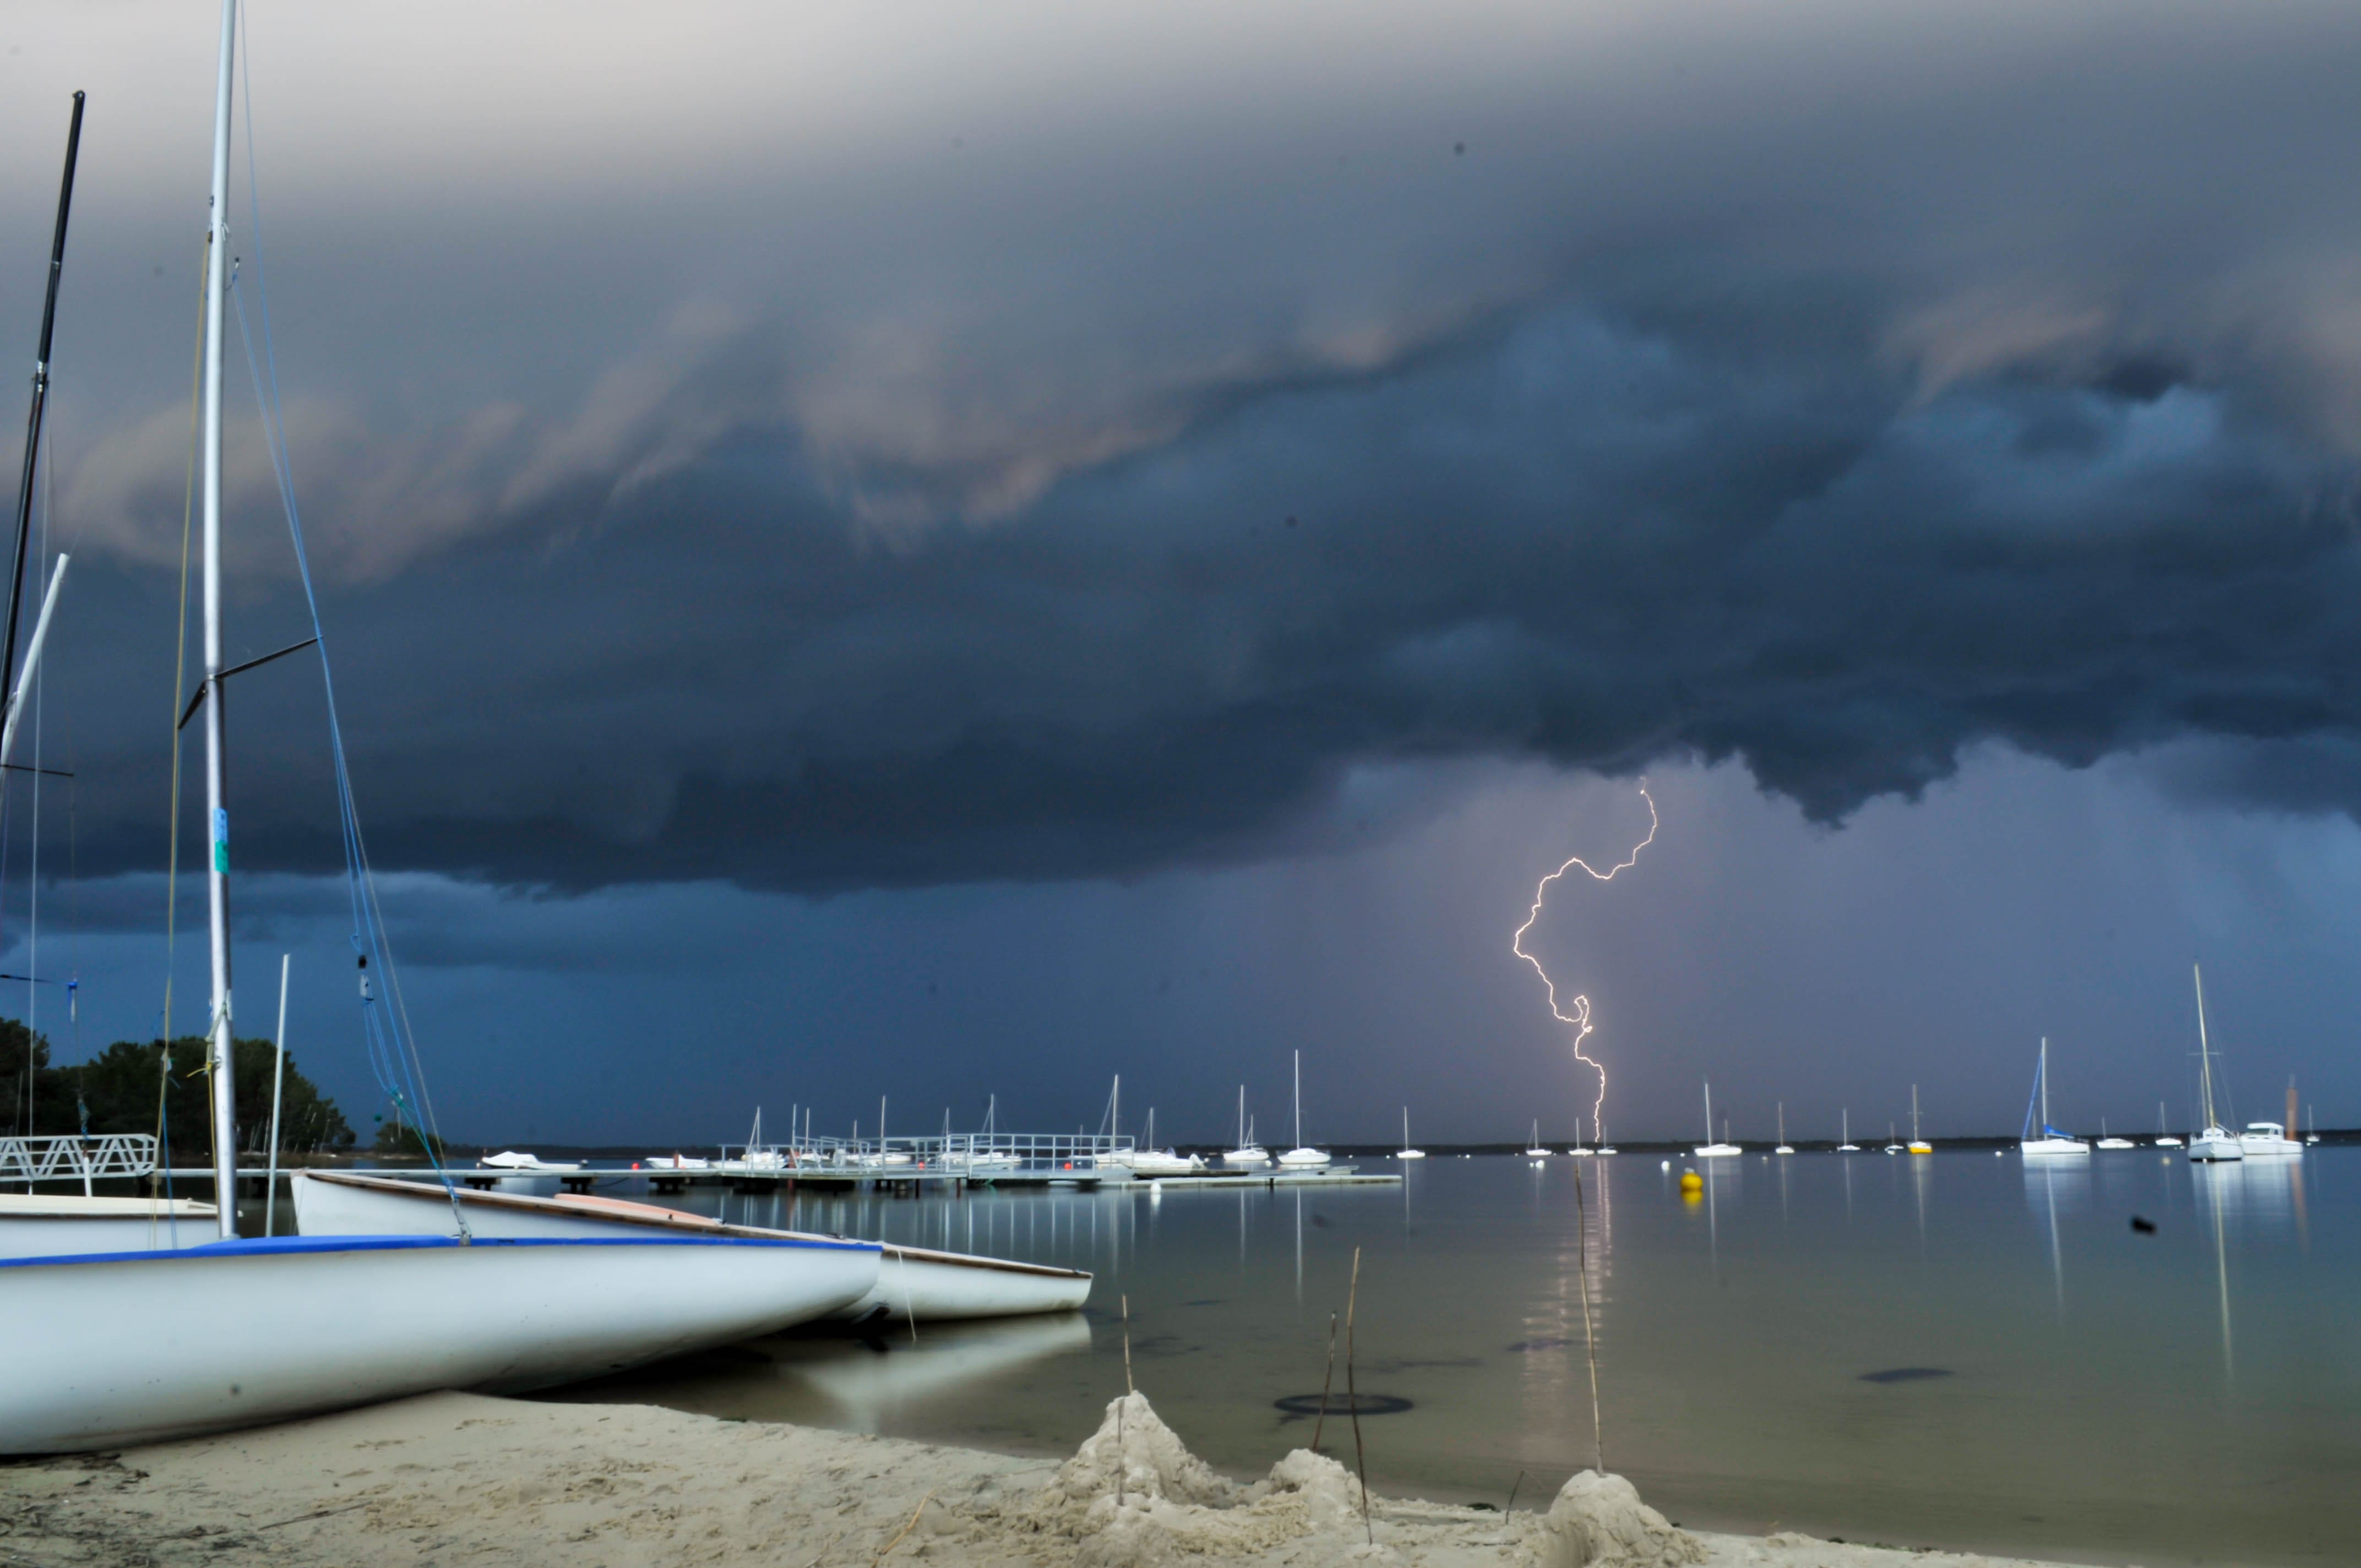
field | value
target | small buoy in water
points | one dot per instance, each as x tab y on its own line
1666	1166
1692	1183
1996	1154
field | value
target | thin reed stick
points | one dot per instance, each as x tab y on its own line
1589	1340
1326	1378
1128	1388
1353	1399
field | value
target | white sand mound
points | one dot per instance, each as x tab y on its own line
1134	1497
1598	1521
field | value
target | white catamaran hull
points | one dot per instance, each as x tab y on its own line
144	1348
71	1226
909	1282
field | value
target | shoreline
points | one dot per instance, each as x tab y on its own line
458	1478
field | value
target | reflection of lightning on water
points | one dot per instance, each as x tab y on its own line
1580	1017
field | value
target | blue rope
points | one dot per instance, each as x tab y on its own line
390	1047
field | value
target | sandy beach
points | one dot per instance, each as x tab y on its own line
462	1478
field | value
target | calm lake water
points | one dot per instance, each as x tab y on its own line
1953	1350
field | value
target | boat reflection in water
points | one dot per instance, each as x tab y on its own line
890	1383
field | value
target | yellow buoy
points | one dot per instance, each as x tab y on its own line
1692	1183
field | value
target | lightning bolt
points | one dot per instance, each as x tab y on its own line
1579	1019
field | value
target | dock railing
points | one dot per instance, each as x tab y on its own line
105	1157
977	1155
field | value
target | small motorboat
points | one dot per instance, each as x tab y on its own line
512	1159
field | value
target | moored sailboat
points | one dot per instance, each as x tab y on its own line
1303	1157
1711	1149
2052	1142
2214	1145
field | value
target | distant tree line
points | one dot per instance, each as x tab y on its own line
115	1091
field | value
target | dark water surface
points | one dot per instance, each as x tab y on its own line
1953	1350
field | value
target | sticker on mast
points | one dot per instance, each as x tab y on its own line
221	840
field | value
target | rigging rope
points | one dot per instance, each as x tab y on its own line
388	1042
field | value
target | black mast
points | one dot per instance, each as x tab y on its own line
40	402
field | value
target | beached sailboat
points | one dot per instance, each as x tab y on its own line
1302	1156
139	1347
2051	1144
1406	1152
907	1281
2214	1145
1711	1149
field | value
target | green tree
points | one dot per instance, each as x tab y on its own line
115	1091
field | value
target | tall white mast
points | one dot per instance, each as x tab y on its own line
2045	1086
216	806
1708	1110
1298	1100
2204	1060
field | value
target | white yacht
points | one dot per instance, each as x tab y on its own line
2052	1144
1844	1120
1917	1144
1406	1152
1302	1156
2164	1138
1533	1150
1711	1149
2214	1145
2267	1139
1783	1146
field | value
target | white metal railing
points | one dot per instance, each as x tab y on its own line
107	1157
960	1153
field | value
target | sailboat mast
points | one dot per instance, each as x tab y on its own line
2045	1086
1708	1110
1298	1100
2204	1060
1242	1116
40	398
225	1107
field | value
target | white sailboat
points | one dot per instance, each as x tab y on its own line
1917	1144
139	1347
2052	1144
2214	1145
1302	1156
907	1282
1533	1149
1709	1149
1248	1155
992	1157
2109	1141
1150	1160
1406	1152
1783	1147
1844	1121
2164	1138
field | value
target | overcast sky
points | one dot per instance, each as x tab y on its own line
932	552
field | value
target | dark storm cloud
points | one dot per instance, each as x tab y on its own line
1066	471
1598	540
